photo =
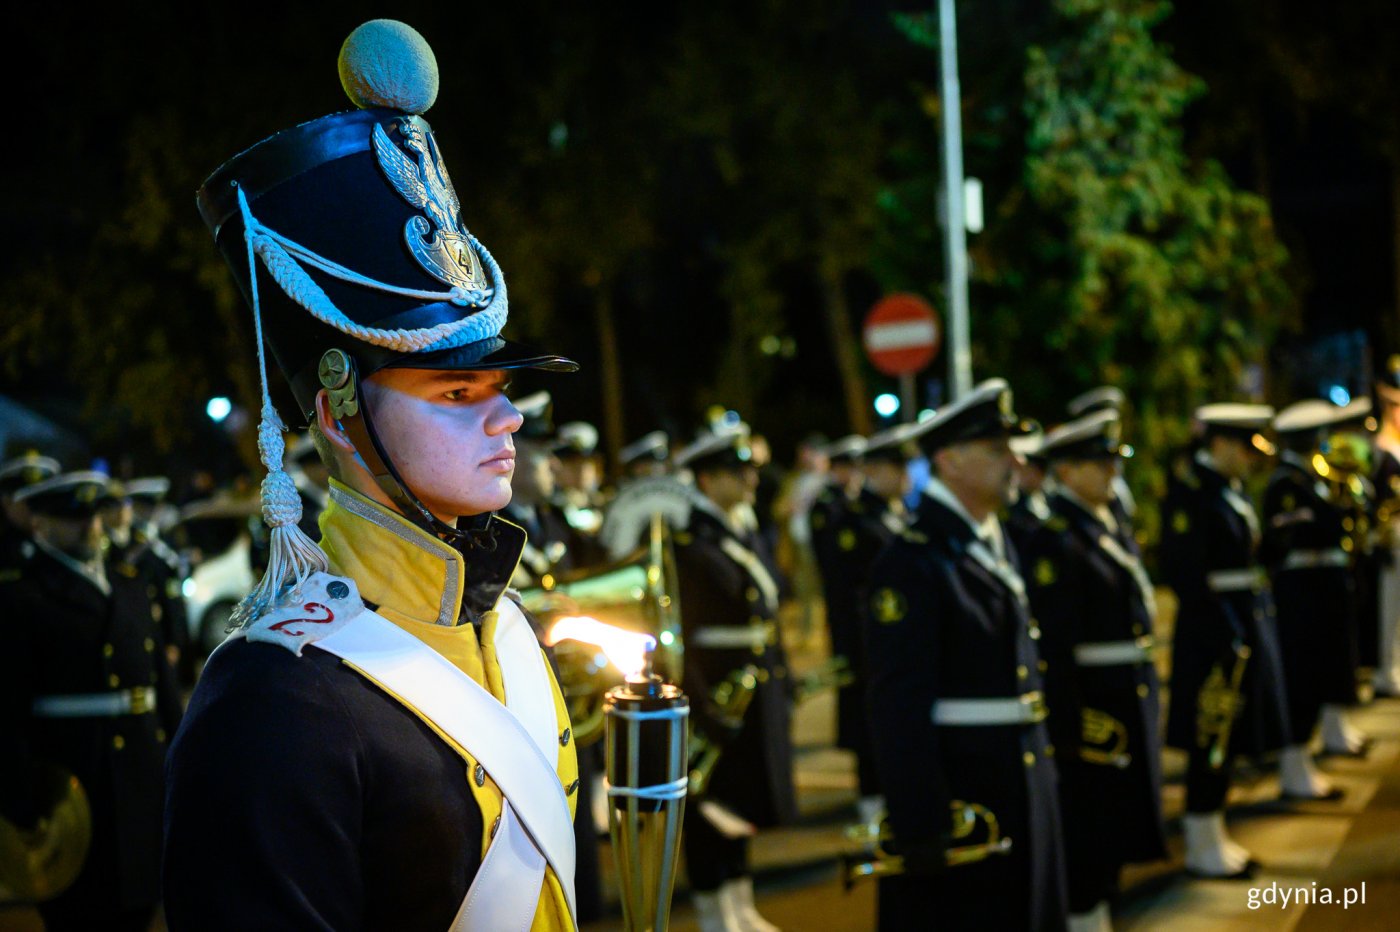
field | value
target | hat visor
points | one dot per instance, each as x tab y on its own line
492	353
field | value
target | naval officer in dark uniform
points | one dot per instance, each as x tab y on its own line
1307	549
729	591
15	520
1227	693
1030	507
956	705
135	550
1123	505
1096	609
85	685
1385	477
851	525
549	546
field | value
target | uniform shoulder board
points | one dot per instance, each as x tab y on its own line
1057	523
1044	572
1180	522
683	538
888	606
913	536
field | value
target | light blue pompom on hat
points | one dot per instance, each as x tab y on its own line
386	63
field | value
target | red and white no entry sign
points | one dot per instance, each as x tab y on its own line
902	334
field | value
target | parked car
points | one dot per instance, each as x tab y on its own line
224	540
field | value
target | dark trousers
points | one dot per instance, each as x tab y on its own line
1206	786
710	858
63	916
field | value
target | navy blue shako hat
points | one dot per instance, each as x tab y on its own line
346	236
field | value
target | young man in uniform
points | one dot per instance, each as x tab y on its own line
85	687
1096	610
1308	548
729	591
1227	693
956	708
381	743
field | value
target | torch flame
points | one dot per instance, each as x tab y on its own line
626	650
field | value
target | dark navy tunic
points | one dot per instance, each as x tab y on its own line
943	625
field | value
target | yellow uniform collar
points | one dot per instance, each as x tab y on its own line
403	570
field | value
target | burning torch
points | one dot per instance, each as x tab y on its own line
647	769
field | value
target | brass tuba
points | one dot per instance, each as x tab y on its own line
638	593
877	860
40	863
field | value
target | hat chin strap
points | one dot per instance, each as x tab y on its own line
473	531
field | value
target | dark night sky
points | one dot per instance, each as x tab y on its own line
221	75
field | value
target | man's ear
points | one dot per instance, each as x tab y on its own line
330	427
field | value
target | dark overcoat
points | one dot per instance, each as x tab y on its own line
65	636
947	621
754	773
847	535
1309	558
1087	590
1209	527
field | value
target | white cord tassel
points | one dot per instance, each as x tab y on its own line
293	556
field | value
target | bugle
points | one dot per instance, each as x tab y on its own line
879	855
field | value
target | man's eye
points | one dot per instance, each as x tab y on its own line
456	394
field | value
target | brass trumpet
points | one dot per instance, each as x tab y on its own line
833	674
877	860
1217	705
731	697
639	594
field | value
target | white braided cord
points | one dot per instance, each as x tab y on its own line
292	556
280	257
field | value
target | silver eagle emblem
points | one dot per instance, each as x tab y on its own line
436	238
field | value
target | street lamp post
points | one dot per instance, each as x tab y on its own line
955	232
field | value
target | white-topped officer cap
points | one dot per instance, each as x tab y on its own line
27	469
576	438
726	443
1094	436
1311	414
986	411
847	449
1105	397
655	445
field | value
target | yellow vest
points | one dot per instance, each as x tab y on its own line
415	580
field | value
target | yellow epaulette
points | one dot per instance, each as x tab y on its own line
1057	523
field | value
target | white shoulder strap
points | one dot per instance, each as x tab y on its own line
512	745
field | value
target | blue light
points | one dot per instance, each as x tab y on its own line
218	409
887	405
1339	395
